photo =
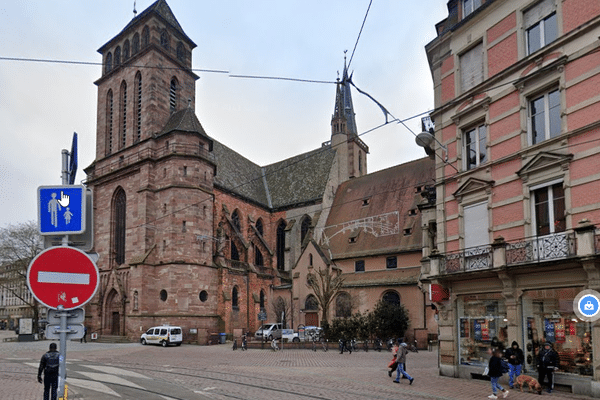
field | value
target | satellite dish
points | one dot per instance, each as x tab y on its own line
424	139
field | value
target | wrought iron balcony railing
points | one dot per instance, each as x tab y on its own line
471	259
541	248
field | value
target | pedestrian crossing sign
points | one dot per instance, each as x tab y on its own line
61	209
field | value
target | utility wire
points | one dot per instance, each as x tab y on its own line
359	33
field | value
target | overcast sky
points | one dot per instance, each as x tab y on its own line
42	104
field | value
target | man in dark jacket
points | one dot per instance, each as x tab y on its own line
49	365
515	357
547	363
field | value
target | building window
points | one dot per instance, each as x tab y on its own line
359	266
135	300
164	39
138	106
305	227
203	296
136	44
471	67
407	232
126	51
549	209
258	257
235	254
544	117
392	298
180	52
280	246
391	262
119	226
145	36
108	63
118	56
109	122
235	220
259	227
311	303
173	95
476	233
262	300
234	297
163	295
469	6
310	259
123	113
343	305
474	147
541	26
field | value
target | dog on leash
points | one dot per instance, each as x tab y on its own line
532	383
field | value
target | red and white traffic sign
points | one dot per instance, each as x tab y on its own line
63	276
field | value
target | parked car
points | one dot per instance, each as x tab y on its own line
163	335
290	335
269	331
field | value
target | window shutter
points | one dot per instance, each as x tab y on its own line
476	225
538	12
471	68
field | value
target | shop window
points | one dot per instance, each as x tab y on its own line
482	325
544	117
548	317
541	26
474	147
471	67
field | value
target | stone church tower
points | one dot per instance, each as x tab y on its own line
152	181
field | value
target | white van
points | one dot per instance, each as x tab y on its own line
163	335
269	331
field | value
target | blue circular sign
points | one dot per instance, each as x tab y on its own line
589	305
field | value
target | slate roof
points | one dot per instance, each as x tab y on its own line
184	120
296	180
400	276
160	8
387	191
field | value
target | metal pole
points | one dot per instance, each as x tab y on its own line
62	371
65	167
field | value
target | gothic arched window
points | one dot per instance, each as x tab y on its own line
180	52
164	39
391	298
235	254
118	56
125	50
136	44
258	257
234	297
235	219
109	122
305	227
119	212
280	247
262	300
343	305
311	303
259	227
123	107
145	36
108	63
138	106
173	94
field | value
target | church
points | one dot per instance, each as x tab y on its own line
191	233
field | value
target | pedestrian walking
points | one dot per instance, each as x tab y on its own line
516	358
393	365
84	338
547	363
495	371
49	365
401	359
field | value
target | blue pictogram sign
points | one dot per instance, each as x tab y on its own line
589	305
61	209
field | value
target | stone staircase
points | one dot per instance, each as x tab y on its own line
110	339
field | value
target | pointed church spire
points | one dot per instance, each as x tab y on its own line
343	120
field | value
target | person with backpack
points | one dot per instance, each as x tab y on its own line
495	371
49	365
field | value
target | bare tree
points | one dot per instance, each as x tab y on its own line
19	245
281	306
325	283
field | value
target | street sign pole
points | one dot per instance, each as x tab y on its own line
62	371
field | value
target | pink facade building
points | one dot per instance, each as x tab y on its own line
517	193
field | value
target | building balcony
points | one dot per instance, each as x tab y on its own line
538	249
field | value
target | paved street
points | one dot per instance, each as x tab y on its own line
132	371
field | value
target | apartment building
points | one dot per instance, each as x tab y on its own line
512	227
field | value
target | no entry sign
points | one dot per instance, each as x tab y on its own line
63	276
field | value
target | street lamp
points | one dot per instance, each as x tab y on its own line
426	139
